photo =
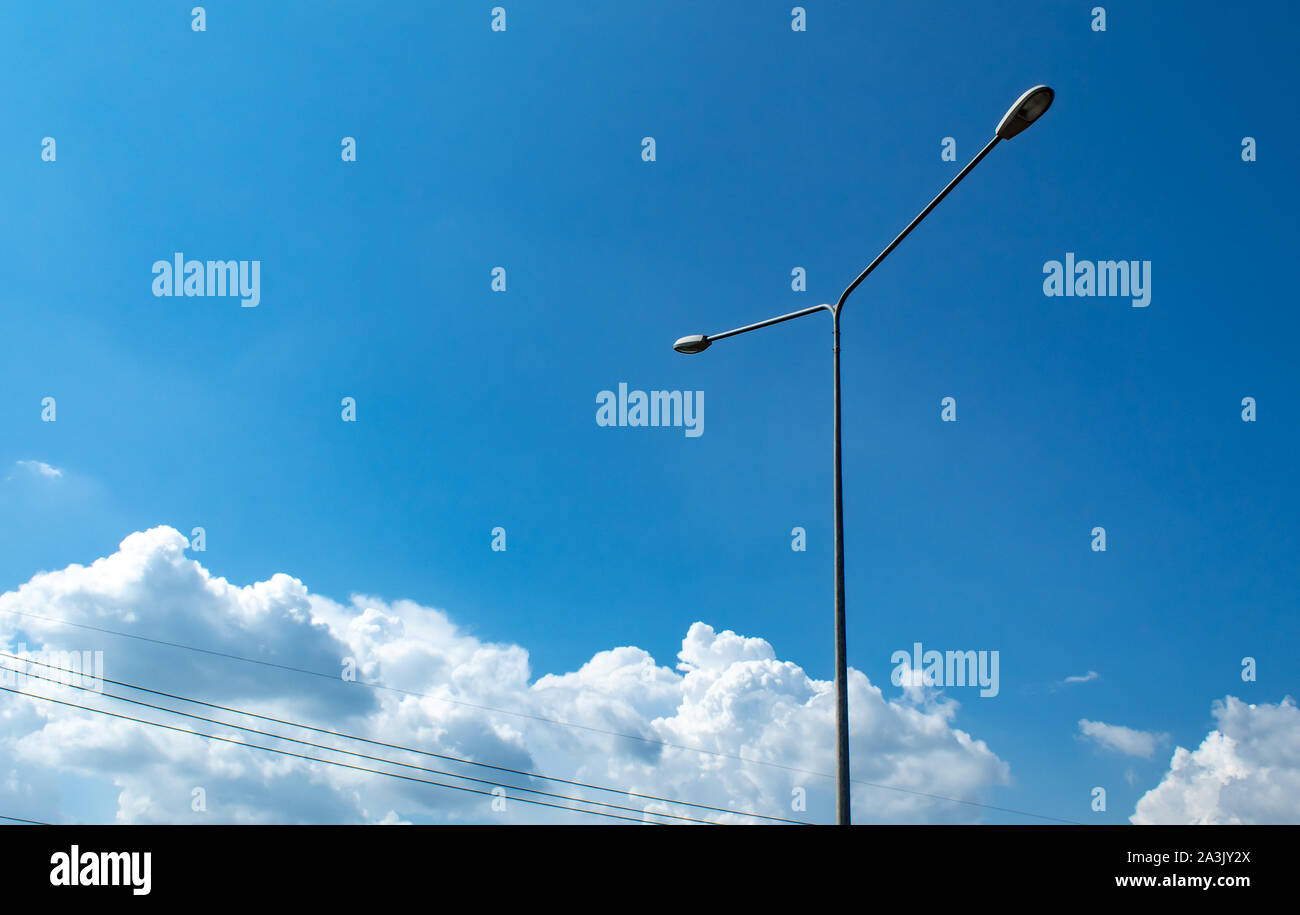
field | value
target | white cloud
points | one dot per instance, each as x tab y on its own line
40	468
1247	770
1124	740
729	695
1084	678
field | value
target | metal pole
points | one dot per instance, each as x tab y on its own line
842	789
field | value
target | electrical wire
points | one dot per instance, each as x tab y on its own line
381	759
21	820
392	746
332	677
541	718
328	762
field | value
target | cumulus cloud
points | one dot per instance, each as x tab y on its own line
1247	770
730	724
1124	740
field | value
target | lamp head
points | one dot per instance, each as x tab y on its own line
1027	109
695	343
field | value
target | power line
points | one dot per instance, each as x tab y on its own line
21	820
649	740
319	746
334	678
391	746
328	762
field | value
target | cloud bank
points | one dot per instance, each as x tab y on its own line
1247	770
729	725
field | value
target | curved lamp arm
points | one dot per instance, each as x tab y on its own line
912	225
1026	109
697	343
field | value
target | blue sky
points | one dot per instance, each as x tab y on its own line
774	150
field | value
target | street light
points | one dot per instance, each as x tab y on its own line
695	343
1027	109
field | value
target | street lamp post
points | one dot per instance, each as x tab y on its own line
1027	109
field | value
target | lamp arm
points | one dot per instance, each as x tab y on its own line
913	224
